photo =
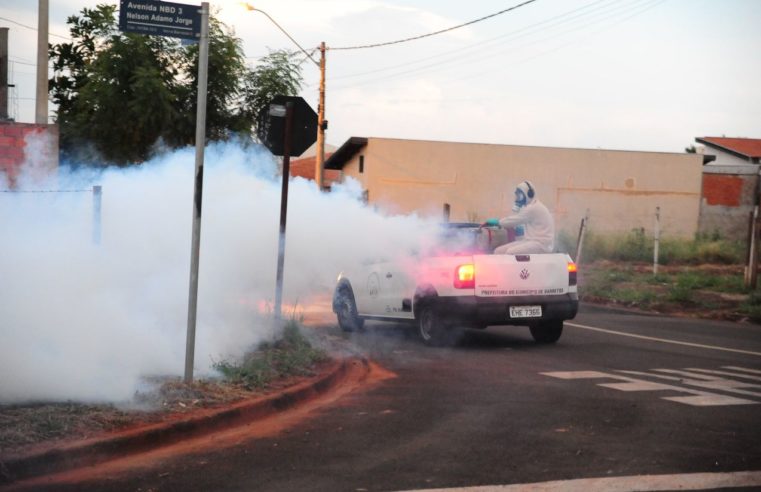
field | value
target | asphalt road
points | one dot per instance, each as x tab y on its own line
499	409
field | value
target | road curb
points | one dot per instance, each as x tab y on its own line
99	450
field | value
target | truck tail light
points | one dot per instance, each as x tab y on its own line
571	273
465	276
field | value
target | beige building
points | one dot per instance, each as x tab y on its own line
620	189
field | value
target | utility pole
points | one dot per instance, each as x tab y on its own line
321	124
41	108
3	73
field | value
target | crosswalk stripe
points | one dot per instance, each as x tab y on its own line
726	373
710	400
743	369
687	374
696	398
716	383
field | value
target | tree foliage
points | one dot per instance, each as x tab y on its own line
120	94
276	74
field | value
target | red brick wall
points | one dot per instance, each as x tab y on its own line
13	147
304	168
722	190
728	199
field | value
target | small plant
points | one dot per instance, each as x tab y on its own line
291	355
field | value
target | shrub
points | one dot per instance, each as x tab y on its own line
292	355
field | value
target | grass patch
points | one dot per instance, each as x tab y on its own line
637	246
292	355
710	291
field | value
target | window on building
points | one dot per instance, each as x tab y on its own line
361	164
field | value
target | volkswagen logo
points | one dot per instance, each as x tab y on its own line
524	274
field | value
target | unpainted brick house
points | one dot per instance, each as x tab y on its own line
730	184
35	147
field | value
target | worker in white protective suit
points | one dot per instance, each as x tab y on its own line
533	217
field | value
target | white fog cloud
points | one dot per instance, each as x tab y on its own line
86	322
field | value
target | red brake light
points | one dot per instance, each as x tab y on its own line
465	276
572	273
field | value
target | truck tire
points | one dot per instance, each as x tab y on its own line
547	332
434	330
346	312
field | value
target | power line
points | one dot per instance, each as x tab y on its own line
284	32
566	17
644	7
600	15
34	28
433	33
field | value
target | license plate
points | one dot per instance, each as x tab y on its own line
525	311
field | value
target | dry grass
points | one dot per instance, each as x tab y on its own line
23	427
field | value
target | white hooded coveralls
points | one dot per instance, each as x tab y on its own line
539	236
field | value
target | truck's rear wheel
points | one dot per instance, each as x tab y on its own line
346	312
547	332
434	330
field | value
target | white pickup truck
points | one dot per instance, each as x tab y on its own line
460	284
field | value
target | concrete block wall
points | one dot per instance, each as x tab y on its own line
15	149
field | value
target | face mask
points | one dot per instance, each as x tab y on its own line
520	200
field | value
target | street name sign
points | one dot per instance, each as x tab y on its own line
177	20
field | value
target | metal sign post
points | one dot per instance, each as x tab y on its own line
287	136
179	20
283	208
97	198
203	63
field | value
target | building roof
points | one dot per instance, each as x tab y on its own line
345	152
745	148
354	144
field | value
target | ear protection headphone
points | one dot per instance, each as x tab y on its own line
530	193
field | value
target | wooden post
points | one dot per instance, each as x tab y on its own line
751	270
580	240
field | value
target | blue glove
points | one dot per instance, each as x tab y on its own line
492	222
519	231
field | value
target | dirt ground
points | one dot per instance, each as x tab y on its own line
27	427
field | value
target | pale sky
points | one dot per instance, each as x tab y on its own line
614	74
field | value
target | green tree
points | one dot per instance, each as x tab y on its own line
276	74
115	92
226	69
119	94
